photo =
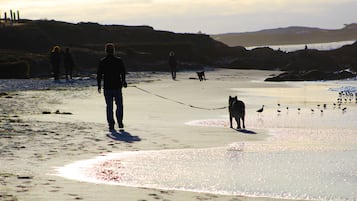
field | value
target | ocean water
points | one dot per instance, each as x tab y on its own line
318	46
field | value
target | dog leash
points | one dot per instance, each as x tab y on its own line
176	101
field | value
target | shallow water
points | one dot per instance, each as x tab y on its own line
327	175
295	163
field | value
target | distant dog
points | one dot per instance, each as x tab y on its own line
201	75
236	109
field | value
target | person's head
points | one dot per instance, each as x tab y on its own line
172	53
56	49
110	48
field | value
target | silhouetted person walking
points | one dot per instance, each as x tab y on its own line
68	64
172	64
55	58
112	70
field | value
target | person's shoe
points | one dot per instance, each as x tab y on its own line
121	125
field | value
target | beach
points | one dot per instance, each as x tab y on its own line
47	126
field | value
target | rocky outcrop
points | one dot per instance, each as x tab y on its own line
260	58
86	40
304	60
312	75
146	49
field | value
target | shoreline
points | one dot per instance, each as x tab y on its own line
33	143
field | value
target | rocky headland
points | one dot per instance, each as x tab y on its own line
25	47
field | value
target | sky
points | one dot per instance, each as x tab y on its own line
192	16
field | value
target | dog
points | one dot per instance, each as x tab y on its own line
201	75
236	109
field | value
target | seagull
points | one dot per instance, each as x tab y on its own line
261	109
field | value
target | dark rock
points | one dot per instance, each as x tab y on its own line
305	60
342	75
24	177
312	76
3	94
287	76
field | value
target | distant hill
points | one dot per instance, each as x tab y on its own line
288	35
25	48
142	47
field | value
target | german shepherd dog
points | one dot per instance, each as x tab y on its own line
236	109
201	75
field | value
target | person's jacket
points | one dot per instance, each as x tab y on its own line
112	70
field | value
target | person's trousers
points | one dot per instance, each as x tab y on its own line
56	71
111	96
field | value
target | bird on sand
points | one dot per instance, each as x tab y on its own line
261	109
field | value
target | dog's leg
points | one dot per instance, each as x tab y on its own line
243	122
230	120
238	122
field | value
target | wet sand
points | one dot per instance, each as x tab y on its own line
33	144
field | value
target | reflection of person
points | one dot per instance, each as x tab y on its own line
112	70
55	58
68	63
172	64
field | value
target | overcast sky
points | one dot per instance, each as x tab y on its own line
191	16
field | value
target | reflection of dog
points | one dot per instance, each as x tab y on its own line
201	75
236	109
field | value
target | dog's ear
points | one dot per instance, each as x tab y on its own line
236	97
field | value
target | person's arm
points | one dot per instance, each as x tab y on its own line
123	74
99	77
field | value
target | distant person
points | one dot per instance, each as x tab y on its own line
112	70
55	59
172	64
68	64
